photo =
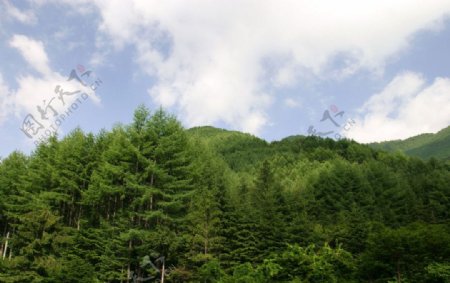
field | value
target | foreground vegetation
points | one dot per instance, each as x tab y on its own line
219	206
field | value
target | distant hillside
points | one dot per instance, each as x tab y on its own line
424	146
238	149
241	151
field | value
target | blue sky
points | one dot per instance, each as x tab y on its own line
270	68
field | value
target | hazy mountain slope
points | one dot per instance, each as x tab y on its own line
423	146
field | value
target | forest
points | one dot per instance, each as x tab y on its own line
154	202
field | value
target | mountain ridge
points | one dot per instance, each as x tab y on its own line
425	146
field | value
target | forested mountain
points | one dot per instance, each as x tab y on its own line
424	146
151	201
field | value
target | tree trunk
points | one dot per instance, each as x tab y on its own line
79	217
399	279
6	246
151	202
129	261
163	270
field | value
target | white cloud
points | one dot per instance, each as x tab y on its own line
208	56
32	89
406	107
292	103
32	51
25	17
40	91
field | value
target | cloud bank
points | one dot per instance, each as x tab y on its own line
210	58
408	106
224	61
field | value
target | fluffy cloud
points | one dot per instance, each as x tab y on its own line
32	51
210	57
406	107
40	91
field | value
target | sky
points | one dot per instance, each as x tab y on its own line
364	70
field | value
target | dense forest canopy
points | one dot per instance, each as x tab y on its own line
151	201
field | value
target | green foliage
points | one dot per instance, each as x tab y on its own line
424	146
210	205
438	272
408	251
310	264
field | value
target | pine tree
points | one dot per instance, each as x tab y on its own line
204	216
75	160
268	201
15	199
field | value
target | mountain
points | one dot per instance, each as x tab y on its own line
424	146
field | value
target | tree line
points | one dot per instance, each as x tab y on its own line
152	201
